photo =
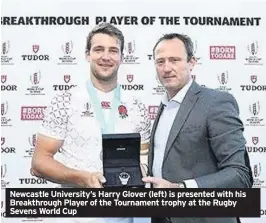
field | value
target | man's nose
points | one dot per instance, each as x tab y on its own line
167	67
106	55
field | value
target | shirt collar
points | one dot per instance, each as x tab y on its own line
179	97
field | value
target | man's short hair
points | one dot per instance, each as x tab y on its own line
105	28
184	38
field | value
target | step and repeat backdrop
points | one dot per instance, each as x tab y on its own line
43	53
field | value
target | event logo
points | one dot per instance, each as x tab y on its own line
5	87
255	119
3	212
222	52
66	86
32	142
3	175
87	110
132	87
223	80
5	120
257	173
6	149
253	58
158	89
153	111
195	45
253	87
256	148
32	113
129	55
67	59
35	89
32	181
35	57
5	58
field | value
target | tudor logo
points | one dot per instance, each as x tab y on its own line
253	78
130	77
255	140
35	48
3	79
67	78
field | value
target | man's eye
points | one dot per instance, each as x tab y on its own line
159	62
114	51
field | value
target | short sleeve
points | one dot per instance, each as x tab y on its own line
56	116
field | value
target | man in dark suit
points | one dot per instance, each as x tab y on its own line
197	138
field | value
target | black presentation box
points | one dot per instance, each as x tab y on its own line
121	160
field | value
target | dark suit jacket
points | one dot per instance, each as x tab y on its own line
206	143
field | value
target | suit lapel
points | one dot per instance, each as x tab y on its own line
183	112
151	150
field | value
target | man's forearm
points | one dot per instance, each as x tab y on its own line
56	172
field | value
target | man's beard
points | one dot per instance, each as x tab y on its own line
102	77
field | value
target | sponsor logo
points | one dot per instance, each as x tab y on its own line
255	119
5	58
4	86
35	57
32	113
257	170
198	59
253	58
132	87
153	111
3	209
64	87
32	181
6	149
35	89
158	89
4	183
253	87
67	58
223	80
32	143
5	120
222	52
87	112
106	104
256	147
129	54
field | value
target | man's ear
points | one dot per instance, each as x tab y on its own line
87	55
192	62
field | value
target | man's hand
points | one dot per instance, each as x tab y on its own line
92	179
158	182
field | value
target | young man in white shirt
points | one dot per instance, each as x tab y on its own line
75	120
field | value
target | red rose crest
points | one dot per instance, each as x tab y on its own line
122	111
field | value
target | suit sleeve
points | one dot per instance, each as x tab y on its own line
225	135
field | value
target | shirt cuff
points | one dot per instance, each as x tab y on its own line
191	183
